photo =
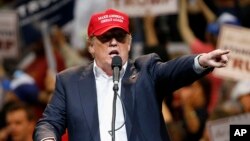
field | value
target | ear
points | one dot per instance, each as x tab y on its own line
129	47
91	50
90	47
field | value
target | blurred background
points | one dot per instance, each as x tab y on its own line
39	38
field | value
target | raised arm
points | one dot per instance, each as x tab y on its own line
206	11
150	33
184	28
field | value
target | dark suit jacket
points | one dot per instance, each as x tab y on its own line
145	83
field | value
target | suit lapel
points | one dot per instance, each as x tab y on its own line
88	95
127	95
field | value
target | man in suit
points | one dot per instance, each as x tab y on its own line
82	101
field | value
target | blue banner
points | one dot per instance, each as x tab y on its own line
33	12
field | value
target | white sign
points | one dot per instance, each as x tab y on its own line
219	130
8	34
236	39
138	8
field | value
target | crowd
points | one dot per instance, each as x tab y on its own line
26	88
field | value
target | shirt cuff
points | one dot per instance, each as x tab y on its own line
197	67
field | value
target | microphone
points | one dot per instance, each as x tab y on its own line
116	67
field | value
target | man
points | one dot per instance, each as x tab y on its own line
21	121
82	101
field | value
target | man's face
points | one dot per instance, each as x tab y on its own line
19	126
113	42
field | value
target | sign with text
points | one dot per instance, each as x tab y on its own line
34	12
236	39
52	11
8	34
138	8
219	130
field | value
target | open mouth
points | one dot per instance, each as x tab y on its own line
113	53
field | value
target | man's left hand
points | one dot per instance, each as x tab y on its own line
217	58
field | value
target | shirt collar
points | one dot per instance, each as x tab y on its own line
99	72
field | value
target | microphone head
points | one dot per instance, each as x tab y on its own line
116	62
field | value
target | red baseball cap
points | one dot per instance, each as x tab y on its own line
106	20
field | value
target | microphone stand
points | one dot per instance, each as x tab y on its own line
116	66
115	89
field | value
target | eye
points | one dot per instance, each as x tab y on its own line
121	37
105	37
118	34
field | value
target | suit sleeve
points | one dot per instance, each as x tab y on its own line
52	124
175	73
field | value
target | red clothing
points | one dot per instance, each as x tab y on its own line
38	68
198	47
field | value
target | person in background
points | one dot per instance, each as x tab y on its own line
24	87
241	94
189	110
82	101
21	120
70	55
219	113
152	43
197	46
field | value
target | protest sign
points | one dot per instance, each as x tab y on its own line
218	130
33	12
138	8
8	34
237	40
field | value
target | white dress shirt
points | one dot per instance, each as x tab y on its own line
105	95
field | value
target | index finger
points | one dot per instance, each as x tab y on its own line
222	52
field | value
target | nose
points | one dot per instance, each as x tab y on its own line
113	42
